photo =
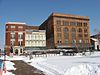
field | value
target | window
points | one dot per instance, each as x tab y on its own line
58	22
79	24
86	41
66	35
80	41
73	41
19	43
65	23
85	24
73	30
73	23
59	35
12	43
80	30
73	35
6	26
12	36
85	35
66	30
85	30
20	26
59	29
20	36
66	41
80	35
12	26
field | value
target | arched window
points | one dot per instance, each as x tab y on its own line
73	30
66	35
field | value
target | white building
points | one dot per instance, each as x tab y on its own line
95	43
35	39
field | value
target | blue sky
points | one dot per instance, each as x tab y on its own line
34	12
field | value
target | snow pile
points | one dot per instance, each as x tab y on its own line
34	60
83	69
9	65
13	58
69	65
8	73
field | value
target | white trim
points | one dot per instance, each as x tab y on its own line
15	23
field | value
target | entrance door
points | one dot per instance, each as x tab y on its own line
97	47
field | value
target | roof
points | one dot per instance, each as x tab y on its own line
94	39
69	15
15	23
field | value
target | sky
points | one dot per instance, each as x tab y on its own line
34	12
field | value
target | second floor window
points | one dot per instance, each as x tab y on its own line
6	27
13	27
20	26
20	36
12	36
58	22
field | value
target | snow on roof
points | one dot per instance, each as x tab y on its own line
15	23
94	39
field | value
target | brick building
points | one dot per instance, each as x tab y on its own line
66	31
16	34
62	31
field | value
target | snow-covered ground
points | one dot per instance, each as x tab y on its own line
10	65
69	65
63	65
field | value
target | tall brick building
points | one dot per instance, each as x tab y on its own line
67	31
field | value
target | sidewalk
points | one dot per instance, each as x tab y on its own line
23	68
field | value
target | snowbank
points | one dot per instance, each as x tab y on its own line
69	65
62	65
83	69
9	65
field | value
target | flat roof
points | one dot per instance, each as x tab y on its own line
15	23
69	15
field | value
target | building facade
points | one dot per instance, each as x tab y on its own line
58	31
95	42
17	37
66	31
35	39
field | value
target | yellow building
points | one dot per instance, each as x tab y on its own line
35	39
